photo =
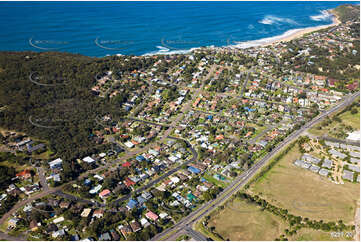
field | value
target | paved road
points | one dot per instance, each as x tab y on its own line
287	85
24	202
148	122
246	81
128	155
253	140
145	99
241	180
42	178
73	198
194	234
5	236
162	177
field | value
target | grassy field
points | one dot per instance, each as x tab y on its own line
347	119
351	119
240	220
243	221
305	193
214	181
310	234
259	129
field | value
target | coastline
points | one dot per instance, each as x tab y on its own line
301	32
286	36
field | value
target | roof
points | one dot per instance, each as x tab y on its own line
141	199
151	215
135	226
132	203
128	182
193	169
86	212
98	211
190	197
55	162
104	193
105	236
163	215
24	173
88	159
140	158
58	220
347	175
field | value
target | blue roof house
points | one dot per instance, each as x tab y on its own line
132	204
193	170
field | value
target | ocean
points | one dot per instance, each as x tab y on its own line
140	28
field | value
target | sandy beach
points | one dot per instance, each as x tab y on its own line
300	32
287	36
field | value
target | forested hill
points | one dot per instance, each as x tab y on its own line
54	90
348	12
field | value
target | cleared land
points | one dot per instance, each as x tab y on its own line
240	220
347	119
317	235
243	221
305	193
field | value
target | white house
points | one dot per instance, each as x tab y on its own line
88	160
55	163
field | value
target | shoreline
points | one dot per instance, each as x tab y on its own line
285	37
300	32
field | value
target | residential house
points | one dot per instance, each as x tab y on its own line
125	230
86	212
98	213
114	235
58	233
144	222
105	237
104	194
135	226
152	216
57	163
25	174
13	222
64	204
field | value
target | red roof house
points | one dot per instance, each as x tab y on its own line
129	182
104	193
151	215
24	174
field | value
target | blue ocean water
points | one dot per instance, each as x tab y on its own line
137	28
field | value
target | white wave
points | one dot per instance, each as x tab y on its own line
266	21
235	44
162	48
269	40
165	51
264	41
325	15
270	19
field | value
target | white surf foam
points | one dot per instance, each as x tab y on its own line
325	15
271	19
166	51
264	41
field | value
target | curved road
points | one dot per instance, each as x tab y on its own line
241	180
